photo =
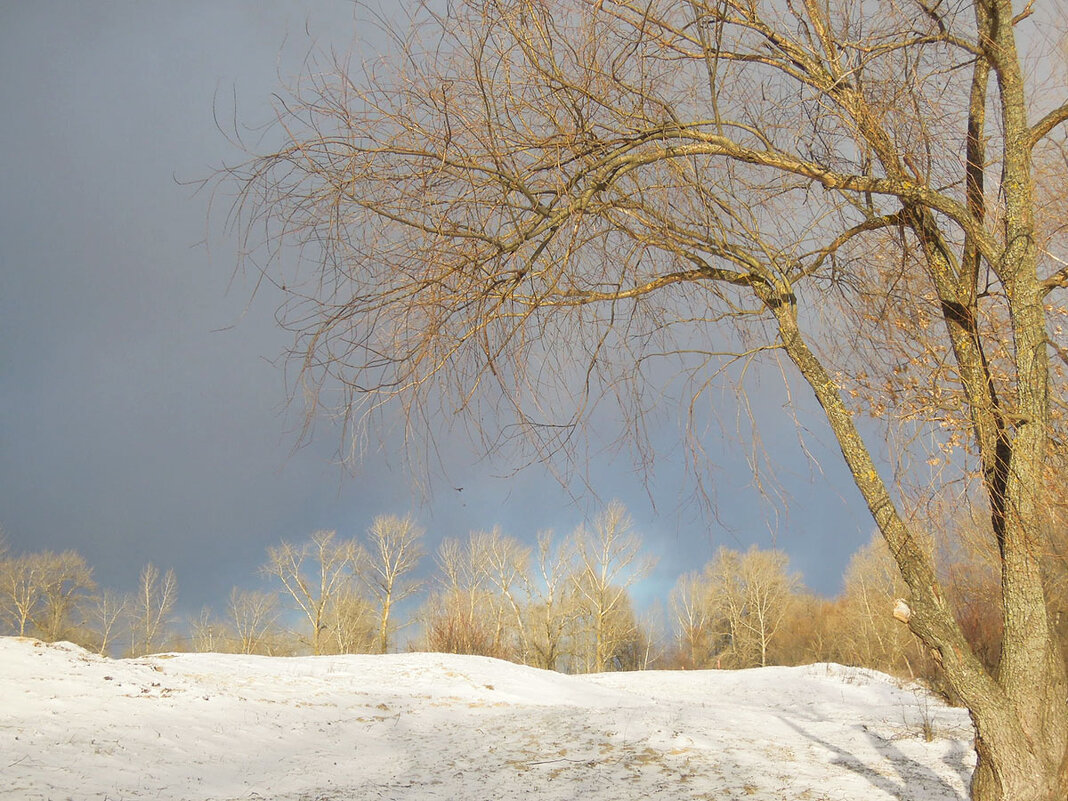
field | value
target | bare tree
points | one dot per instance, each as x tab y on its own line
610	562
150	609
252	617
40	593
652	638
210	635
507	571
624	643
532	207
66	581
694	623
452	625
465	615
105	615
353	623
805	633
526	613
22	598
314	574
550	610
394	550
752	592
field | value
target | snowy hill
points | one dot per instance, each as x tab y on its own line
434	726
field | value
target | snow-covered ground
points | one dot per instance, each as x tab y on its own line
433	726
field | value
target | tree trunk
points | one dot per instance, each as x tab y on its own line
383	627
1013	773
1021	719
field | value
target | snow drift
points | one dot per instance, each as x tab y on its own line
436	726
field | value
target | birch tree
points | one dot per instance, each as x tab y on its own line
106	613
394	548
150	609
694	621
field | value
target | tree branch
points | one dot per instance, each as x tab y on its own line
1048	123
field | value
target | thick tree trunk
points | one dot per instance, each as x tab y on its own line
1021	718
1012	772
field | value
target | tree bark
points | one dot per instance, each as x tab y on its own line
1021	719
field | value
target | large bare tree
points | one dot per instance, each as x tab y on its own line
535	206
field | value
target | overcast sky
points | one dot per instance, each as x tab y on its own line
142	410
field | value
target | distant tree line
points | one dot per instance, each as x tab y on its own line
53	596
563	603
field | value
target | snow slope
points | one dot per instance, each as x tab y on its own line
433	726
